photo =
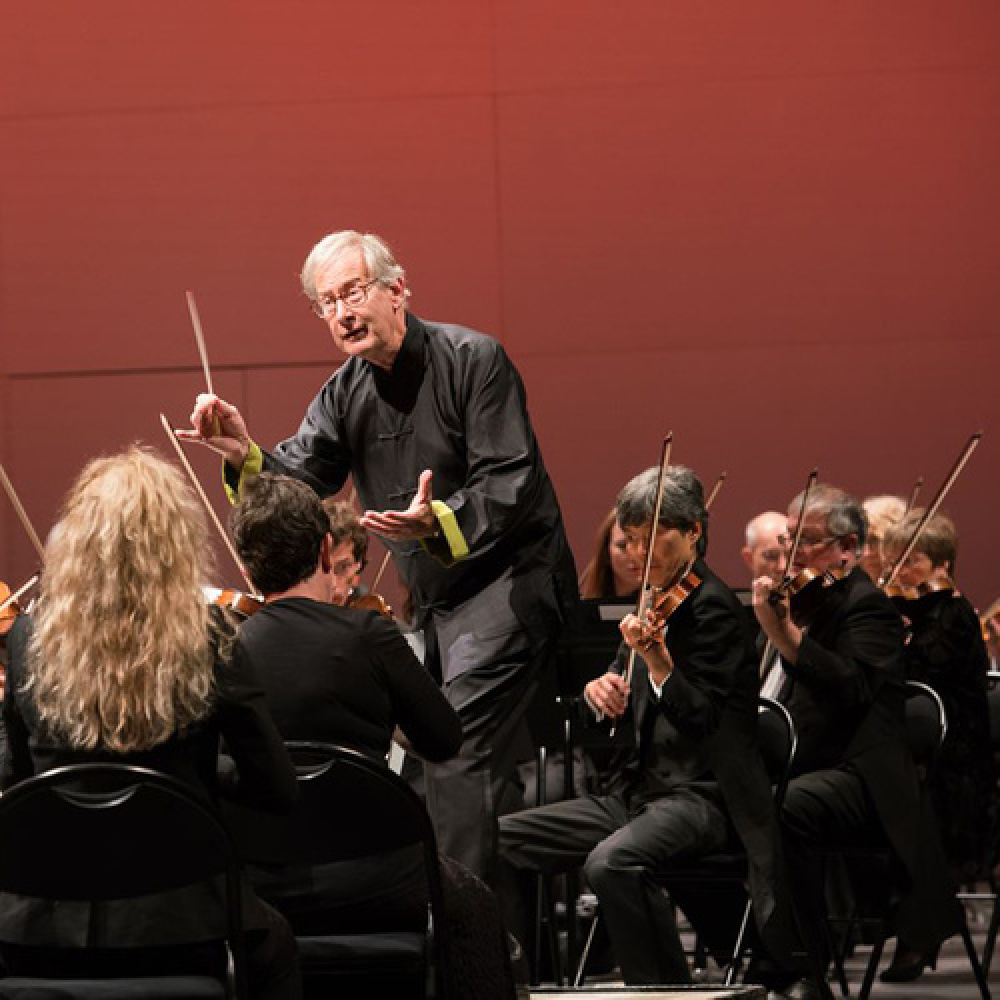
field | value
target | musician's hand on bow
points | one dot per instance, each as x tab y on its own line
608	694
772	608
220	426
646	635
417	521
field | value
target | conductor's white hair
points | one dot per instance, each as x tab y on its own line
379	261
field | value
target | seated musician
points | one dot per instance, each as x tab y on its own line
336	675
611	572
841	649
122	661
764	554
351	539
945	649
690	771
883	512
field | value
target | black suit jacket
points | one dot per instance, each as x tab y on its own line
702	731
847	699
263	774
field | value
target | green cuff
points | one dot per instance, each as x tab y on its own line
251	470
449	543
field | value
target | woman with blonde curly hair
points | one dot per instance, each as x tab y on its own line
123	661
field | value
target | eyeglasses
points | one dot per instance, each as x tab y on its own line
357	295
815	543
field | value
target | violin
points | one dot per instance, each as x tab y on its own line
666	600
370	602
9	606
9	609
986	618
808	588
899	592
242	605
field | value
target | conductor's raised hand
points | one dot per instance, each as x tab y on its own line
417	521
608	694
220	426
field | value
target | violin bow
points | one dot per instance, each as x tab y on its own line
21	514
914	493
204	499
19	593
792	551
715	489
381	569
970	446
644	588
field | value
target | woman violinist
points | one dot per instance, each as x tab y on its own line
121	660
945	649
612	572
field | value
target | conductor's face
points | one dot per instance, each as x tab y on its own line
365	317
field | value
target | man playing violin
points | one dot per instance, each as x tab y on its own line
690	771
841	646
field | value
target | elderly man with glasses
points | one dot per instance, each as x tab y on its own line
840	642
431	422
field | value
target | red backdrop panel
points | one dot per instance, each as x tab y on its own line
772	227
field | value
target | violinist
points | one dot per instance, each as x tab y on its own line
336	675
350	555
841	649
611	572
121	660
689	772
945	649
883	513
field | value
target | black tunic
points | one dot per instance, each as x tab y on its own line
455	404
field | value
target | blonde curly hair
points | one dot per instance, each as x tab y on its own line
121	656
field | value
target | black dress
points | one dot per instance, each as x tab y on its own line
263	776
946	651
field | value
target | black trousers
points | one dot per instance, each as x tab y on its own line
823	809
464	794
619	850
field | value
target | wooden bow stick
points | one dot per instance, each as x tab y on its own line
204	499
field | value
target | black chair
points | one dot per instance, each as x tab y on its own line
991	896
351	807
100	832
926	728
778	743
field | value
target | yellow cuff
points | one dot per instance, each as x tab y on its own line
251	470
448	525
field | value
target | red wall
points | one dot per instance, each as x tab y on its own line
772	227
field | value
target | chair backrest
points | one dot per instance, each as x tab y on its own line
778	743
926	722
122	832
350	806
993	700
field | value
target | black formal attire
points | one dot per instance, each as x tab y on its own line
691	783
946	651
493	589
858	783
335	675
262	776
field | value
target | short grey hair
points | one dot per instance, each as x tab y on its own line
380	264
683	503
844	514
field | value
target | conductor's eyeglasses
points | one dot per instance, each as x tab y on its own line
357	295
